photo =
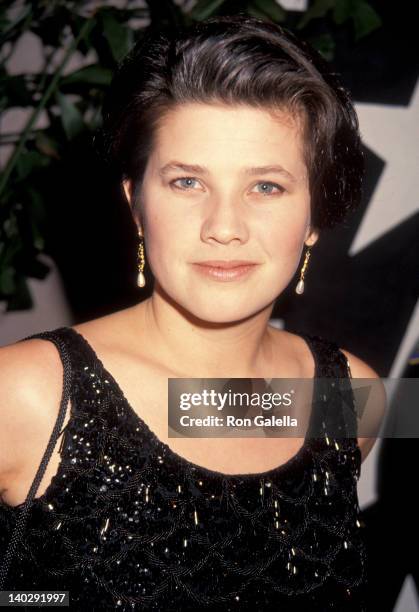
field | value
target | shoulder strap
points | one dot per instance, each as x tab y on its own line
339	405
331	361
24	510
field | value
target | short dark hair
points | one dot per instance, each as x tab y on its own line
238	60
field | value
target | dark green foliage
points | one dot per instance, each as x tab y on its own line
71	101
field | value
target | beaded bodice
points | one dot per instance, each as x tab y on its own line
128	524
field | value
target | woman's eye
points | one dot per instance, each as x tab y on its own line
187	181
267	188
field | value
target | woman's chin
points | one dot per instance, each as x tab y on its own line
223	312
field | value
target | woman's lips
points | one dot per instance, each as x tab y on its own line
225	263
225	274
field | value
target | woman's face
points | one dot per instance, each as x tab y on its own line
210	192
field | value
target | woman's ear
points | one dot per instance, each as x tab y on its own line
311	237
127	186
129	195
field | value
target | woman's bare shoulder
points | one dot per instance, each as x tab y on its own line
112	330
31	376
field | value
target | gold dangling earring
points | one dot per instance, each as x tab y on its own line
300	285
141	277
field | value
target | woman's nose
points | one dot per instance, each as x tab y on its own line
225	221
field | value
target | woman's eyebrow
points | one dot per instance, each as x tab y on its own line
196	169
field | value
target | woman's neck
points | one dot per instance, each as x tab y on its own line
201	349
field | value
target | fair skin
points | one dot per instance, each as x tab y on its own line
222	215
191	326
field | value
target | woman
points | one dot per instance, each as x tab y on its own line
234	144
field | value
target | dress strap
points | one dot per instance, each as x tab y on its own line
21	521
331	361
334	405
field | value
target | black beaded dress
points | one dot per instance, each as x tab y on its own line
128	524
